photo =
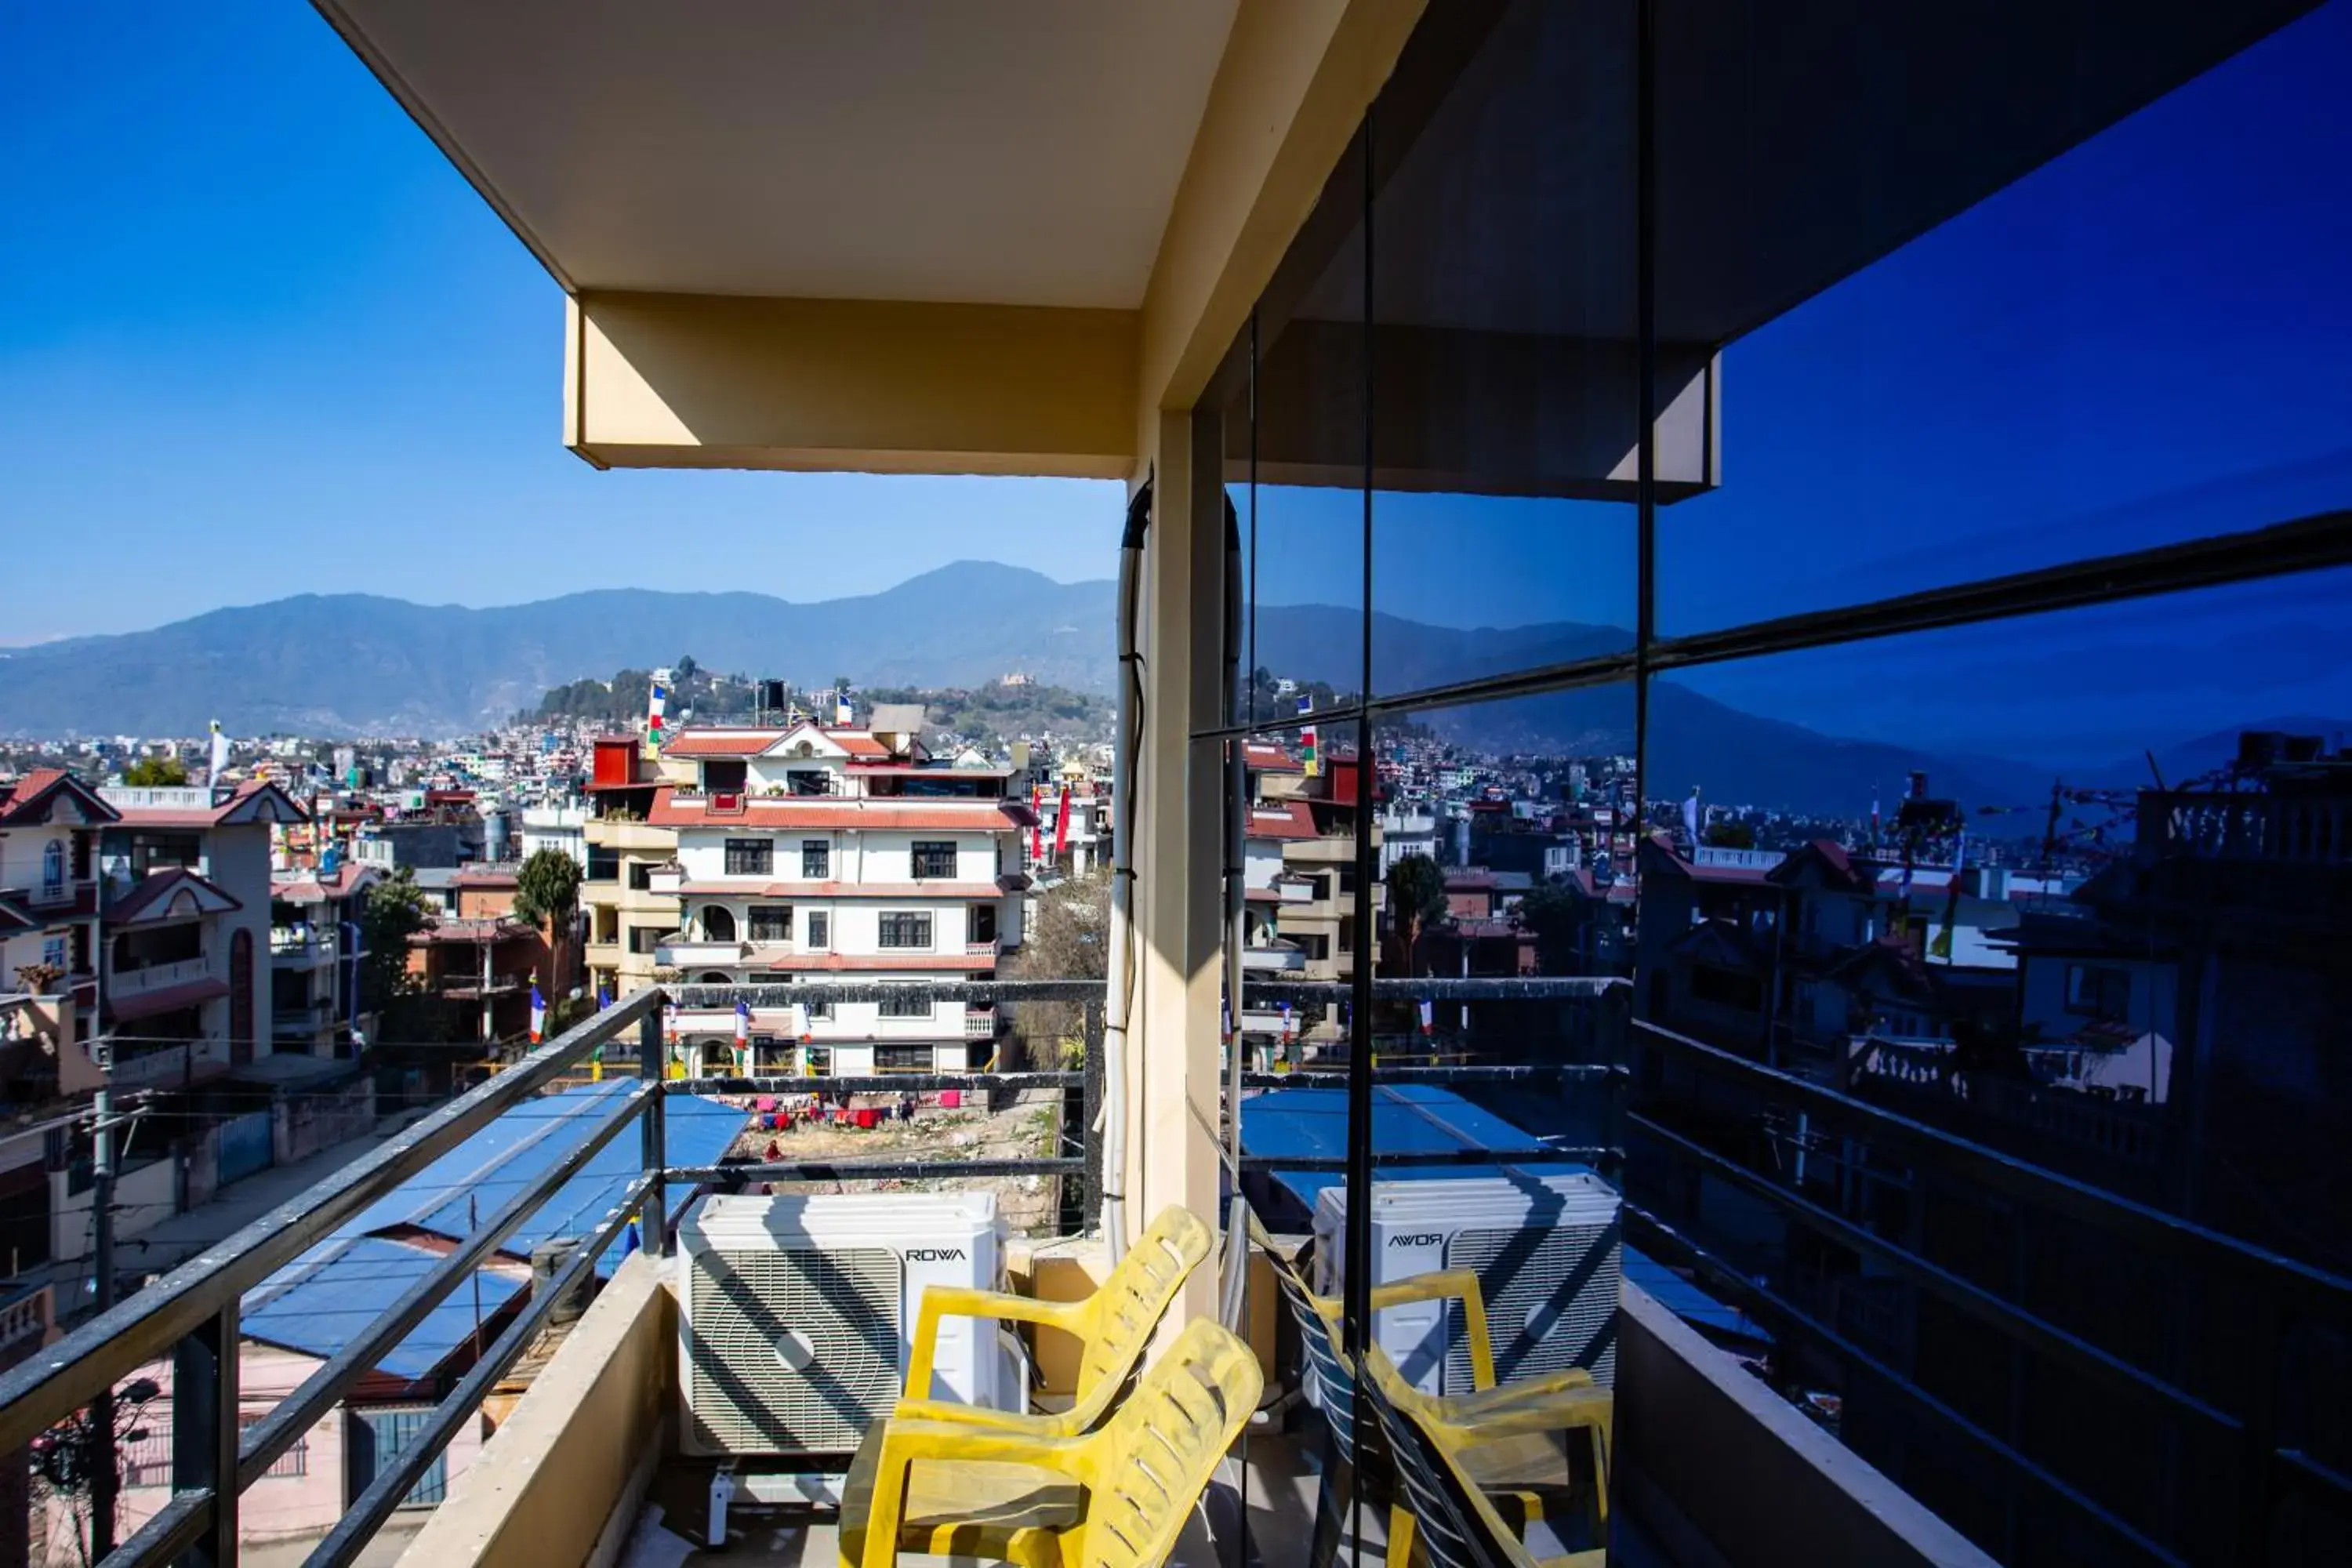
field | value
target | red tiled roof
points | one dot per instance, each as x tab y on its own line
156	890
18	800
820	812
168	998
704	743
857	743
1292	819
1271	759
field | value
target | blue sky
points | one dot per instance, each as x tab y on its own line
258	338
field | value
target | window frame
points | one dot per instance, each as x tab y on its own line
749	857
890	921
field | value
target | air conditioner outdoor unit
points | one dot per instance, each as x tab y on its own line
796	1315
1547	1251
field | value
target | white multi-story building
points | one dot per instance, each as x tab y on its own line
817	854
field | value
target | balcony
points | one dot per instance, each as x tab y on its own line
66	900
667	881
980	1023
296	1023
988	949
296	949
124	984
1278	959
678	952
1713	1464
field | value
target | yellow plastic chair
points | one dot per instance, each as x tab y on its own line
1112	1325
1442	1507
1518	1457
1114	1498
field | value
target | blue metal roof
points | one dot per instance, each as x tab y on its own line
323	1299
1407	1119
321	1302
1312	1123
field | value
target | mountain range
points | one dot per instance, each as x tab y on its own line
358	664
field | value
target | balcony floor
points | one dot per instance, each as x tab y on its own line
1282	1486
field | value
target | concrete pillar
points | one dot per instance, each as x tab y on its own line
1173	1078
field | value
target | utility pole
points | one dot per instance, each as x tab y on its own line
103	1474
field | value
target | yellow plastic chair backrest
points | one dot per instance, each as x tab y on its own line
1120	1316
1153	1457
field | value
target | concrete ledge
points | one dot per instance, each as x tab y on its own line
1719	1468
580	1446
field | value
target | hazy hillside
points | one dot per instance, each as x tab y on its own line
356	663
346	663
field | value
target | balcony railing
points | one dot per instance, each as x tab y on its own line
1704	1118
681	951
2299	829
1698	1116
308	1018
296	949
125	984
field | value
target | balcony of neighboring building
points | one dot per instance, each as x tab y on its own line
301	947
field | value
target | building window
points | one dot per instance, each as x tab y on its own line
809	780
2098	991
935	860
641	876
816	859
718	923
771	922
750	856
643	939
815	1011
912	1003
604	864
53	867
53	952
902	1058
723	777
905	929
980	924
820	929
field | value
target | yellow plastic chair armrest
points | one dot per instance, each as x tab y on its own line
951	1301
1450	1284
1575	1407
1511	1395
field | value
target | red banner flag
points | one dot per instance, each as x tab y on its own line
1036	823
1062	825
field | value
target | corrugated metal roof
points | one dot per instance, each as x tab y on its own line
322	1301
1414	1119
343	1283
1407	1119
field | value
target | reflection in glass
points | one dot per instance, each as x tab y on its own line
1308	601
1947	353
1505	421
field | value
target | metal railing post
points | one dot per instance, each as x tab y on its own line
204	1431
654	1217
1090	1099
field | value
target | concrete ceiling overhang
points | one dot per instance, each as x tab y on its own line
927	236
1010	153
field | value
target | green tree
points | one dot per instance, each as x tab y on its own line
547	894
1730	834
156	773
1071	941
1553	913
1416	902
397	909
